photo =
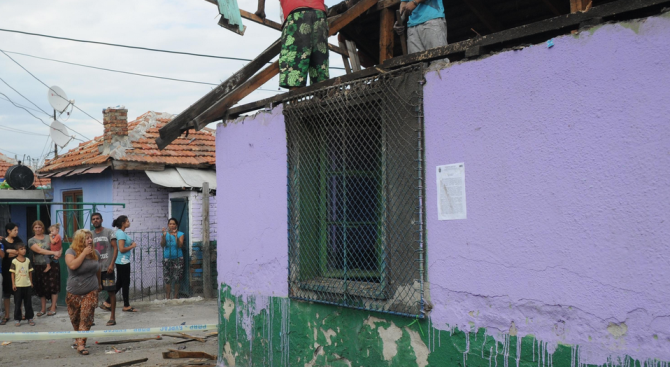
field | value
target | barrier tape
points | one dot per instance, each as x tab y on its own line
52	335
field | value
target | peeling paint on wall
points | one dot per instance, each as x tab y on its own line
563	258
289	333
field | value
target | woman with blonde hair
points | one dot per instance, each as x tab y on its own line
83	283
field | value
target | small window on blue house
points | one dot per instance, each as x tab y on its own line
355	179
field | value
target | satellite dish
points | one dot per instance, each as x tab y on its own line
58	99
59	133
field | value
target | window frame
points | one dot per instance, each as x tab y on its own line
75	197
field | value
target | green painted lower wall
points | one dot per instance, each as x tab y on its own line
276	331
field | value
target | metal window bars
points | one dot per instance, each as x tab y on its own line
355	193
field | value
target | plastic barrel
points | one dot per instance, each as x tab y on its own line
20	177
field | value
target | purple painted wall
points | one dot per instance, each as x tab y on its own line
567	163
251	202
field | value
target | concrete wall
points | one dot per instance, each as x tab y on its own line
145	201
196	216
562	259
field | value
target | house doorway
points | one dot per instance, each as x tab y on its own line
179	210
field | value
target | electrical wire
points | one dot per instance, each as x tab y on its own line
124	72
134	47
9	151
44	156
10	100
38	79
19	105
7	128
24	97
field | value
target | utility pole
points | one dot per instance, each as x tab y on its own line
206	252
55	145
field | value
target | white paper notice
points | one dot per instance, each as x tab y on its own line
451	192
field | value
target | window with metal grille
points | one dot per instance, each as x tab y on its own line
355	180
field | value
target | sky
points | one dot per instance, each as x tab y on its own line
177	25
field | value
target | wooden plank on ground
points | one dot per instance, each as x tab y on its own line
129	363
126	341
175	354
386	34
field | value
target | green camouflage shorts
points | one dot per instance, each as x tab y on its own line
304	48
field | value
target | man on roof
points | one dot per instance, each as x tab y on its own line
304	43
426	26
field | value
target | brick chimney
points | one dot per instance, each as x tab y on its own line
115	138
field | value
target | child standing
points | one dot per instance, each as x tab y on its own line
22	283
56	244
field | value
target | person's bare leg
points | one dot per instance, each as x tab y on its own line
6	301
112	306
261	9
176	290
167	291
43	300
54	301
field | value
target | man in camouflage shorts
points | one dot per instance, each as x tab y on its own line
304	48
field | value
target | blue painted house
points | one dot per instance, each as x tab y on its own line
124	166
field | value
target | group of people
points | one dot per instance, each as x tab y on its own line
96	260
304	40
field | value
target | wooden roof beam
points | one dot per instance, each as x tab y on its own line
580	5
276	26
218	110
485	15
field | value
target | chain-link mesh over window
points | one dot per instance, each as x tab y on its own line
355	177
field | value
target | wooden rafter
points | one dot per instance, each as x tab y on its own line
386	34
209	107
518	35
579	5
276	26
218	110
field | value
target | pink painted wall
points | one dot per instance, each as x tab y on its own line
567	163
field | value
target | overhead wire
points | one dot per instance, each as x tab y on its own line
18	104
123	72
7	128
134	47
24	97
38	79
10	100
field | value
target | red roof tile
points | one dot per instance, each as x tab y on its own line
6	162
198	149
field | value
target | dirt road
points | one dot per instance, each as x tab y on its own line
153	314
